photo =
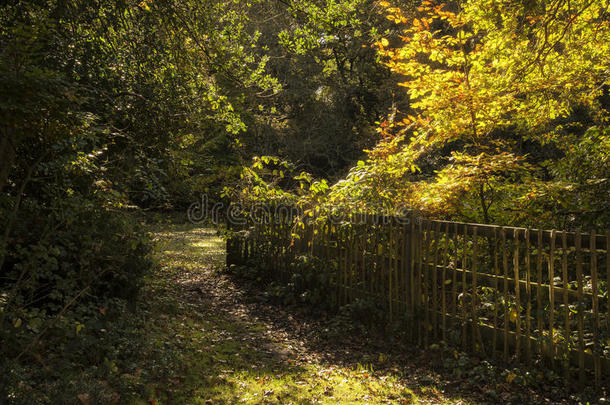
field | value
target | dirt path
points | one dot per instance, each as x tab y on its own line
231	348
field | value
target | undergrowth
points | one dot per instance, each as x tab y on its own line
493	380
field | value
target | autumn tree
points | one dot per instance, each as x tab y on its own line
502	95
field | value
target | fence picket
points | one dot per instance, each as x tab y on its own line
517	295
596	348
566	304
434	285
528	294
506	314
454	295
443	285
494	344
539	292
551	269
581	333
464	288
426	289
476	343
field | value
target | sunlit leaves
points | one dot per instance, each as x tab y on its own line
483	78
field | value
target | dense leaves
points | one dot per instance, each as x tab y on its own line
508	114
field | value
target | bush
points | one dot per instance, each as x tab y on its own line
66	260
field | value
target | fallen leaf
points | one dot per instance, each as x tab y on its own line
83	398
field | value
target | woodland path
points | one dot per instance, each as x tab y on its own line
226	343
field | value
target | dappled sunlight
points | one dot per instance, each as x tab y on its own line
226	353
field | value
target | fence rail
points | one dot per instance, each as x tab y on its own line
500	291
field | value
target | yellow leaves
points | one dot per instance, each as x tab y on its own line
513	315
384	4
511	377
384	42
144	5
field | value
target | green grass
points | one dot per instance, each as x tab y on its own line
222	357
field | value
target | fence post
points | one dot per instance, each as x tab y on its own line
232	245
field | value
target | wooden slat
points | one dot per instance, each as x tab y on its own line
398	274
464	288
373	268
581	333
403	289
506	314
419	292
595	307
434	285
390	268
539	304
444	283
517	293
364	247
426	281
477	344
494	343
565	281
340	266
608	287
454	296
347	271
551	269
353	249
413	278
528	295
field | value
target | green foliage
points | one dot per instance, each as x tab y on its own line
333	89
508	106
358	317
309	282
104	104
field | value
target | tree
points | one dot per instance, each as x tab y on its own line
499	91
333	89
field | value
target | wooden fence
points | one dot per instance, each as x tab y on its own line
522	294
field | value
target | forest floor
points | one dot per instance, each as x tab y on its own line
228	347
225	344
197	335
